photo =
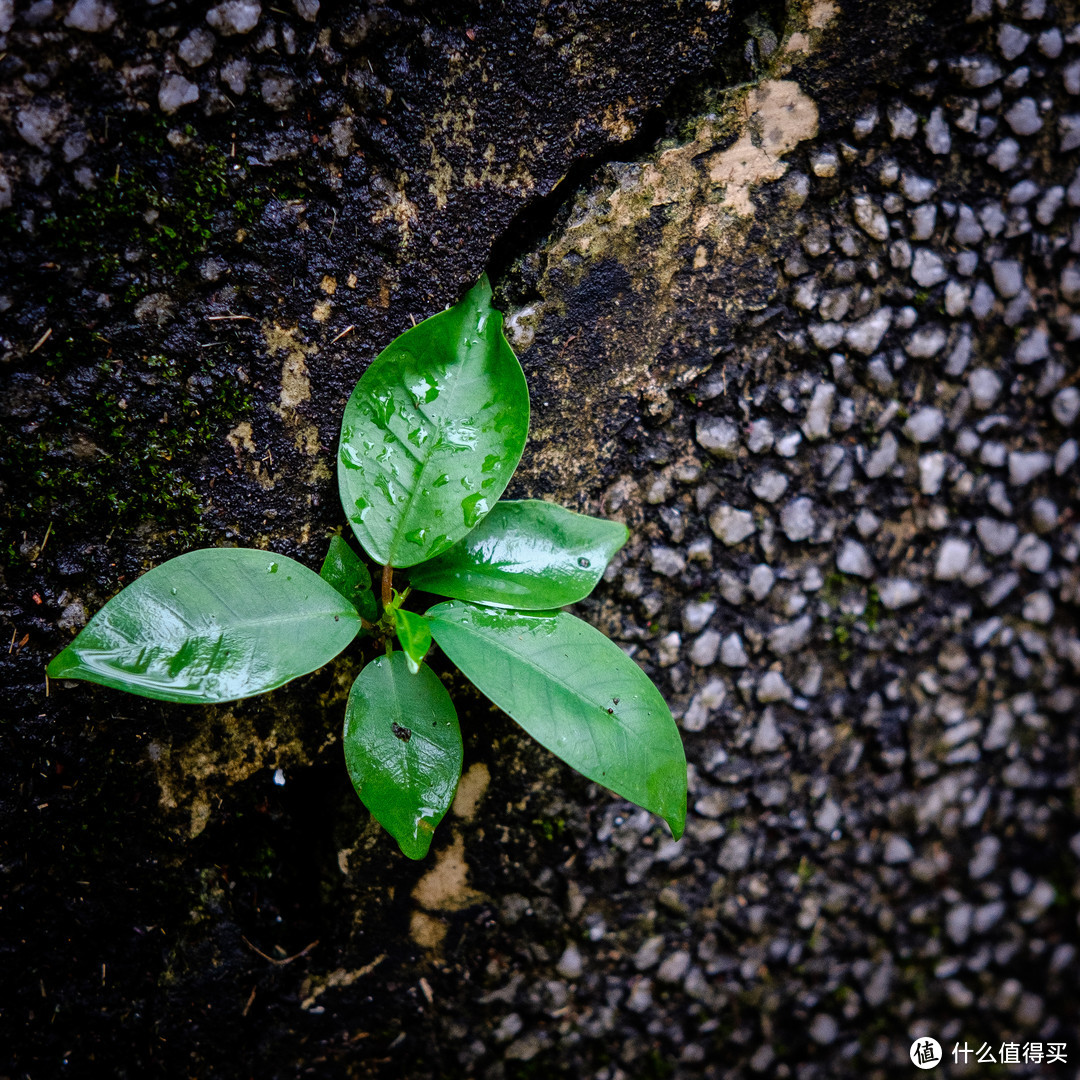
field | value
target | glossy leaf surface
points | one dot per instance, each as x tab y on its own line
344	569
212	625
575	692
414	635
432	433
529	555
403	749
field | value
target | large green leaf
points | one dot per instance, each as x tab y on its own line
432	433
414	634
212	625
343	569
575	692
403	749
528	555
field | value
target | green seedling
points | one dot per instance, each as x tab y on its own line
431	435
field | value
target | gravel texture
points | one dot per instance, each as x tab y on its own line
884	743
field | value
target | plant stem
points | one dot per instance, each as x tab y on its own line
387	583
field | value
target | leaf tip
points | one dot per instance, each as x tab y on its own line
57	667
416	847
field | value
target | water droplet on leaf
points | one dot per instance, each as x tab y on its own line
382	409
474	508
460	437
351	458
386	487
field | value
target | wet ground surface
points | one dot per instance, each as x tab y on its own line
823	328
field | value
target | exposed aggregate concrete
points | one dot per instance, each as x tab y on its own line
876	666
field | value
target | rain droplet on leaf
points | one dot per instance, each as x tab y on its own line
474	508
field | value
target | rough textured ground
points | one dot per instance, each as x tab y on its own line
813	338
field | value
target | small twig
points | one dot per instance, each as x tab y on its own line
41	340
280	963
250	1001
412	318
347	330
225	318
46	540
12	645
330	236
569	341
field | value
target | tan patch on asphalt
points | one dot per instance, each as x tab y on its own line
471	789
778	117
445	887
426	931
295	382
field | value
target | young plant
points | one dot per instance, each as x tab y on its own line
431	435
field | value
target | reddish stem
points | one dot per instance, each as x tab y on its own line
387	583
